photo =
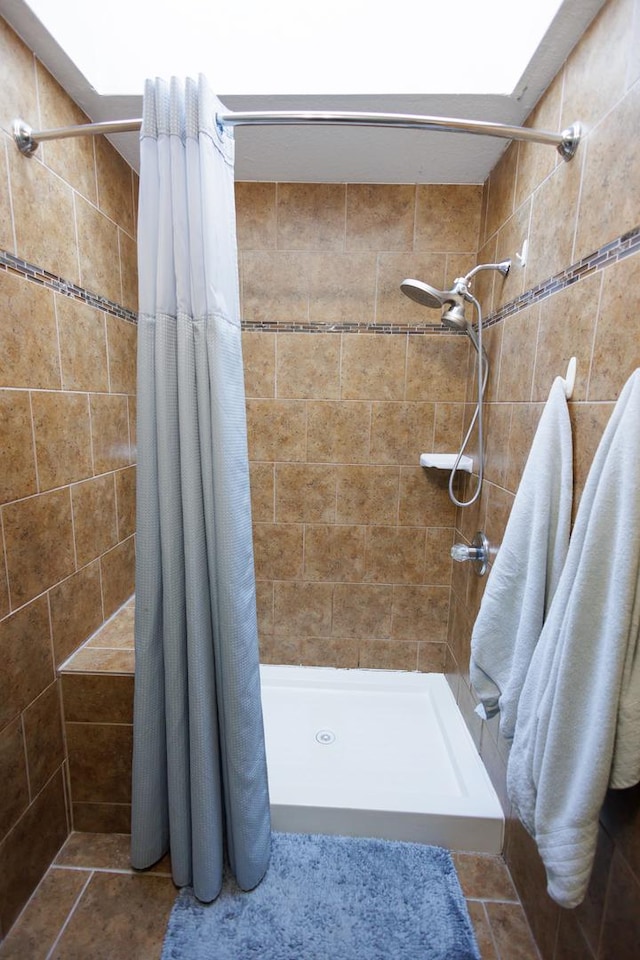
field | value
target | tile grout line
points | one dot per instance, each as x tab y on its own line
50	953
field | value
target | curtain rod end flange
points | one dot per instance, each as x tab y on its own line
570	140
22	134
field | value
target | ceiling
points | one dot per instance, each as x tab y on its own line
344	154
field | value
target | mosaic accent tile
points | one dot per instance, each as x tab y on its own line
44	278
623	246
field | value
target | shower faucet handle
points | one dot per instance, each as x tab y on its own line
478	553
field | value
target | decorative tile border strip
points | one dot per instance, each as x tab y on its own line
618	249
12	264
279	326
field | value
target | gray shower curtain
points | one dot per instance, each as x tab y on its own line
199	769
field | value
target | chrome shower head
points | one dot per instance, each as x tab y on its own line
426	295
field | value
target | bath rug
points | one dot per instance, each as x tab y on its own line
332	898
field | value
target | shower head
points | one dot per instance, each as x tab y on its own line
426	295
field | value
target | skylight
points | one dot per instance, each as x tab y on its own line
288	47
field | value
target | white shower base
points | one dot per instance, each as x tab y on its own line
375	753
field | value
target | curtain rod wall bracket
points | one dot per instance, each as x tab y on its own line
22	136
570	140
566	142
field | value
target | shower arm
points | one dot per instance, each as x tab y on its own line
461	284
566	142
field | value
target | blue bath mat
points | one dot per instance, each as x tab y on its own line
332	898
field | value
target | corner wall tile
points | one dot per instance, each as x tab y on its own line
25	647
71	158
118	575
616	347
76	610
109	432
14	797
567	324
128	271
28	850
18	76
97	698
94	517
98	252
553	223
126	502
114	185
100	761
595	72
448	217
7	241
48	239
122	339
43	737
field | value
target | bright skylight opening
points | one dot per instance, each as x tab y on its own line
288	47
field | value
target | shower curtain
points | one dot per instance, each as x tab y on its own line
199	768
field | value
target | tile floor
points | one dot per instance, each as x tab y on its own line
91	905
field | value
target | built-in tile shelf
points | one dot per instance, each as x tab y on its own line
97	701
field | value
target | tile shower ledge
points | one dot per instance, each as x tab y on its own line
109	650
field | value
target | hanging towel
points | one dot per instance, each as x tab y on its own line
526	569
578	728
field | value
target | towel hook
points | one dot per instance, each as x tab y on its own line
570	378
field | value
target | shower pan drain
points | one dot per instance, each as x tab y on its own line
325	736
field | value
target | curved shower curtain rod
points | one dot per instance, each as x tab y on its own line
566	142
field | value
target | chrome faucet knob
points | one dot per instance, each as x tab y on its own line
478	553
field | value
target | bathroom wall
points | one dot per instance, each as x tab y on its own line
346	386
67	406
582	221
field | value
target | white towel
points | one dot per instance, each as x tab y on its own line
527	568
578	727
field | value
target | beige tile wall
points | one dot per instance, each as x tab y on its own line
566	211
352	536
67	380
